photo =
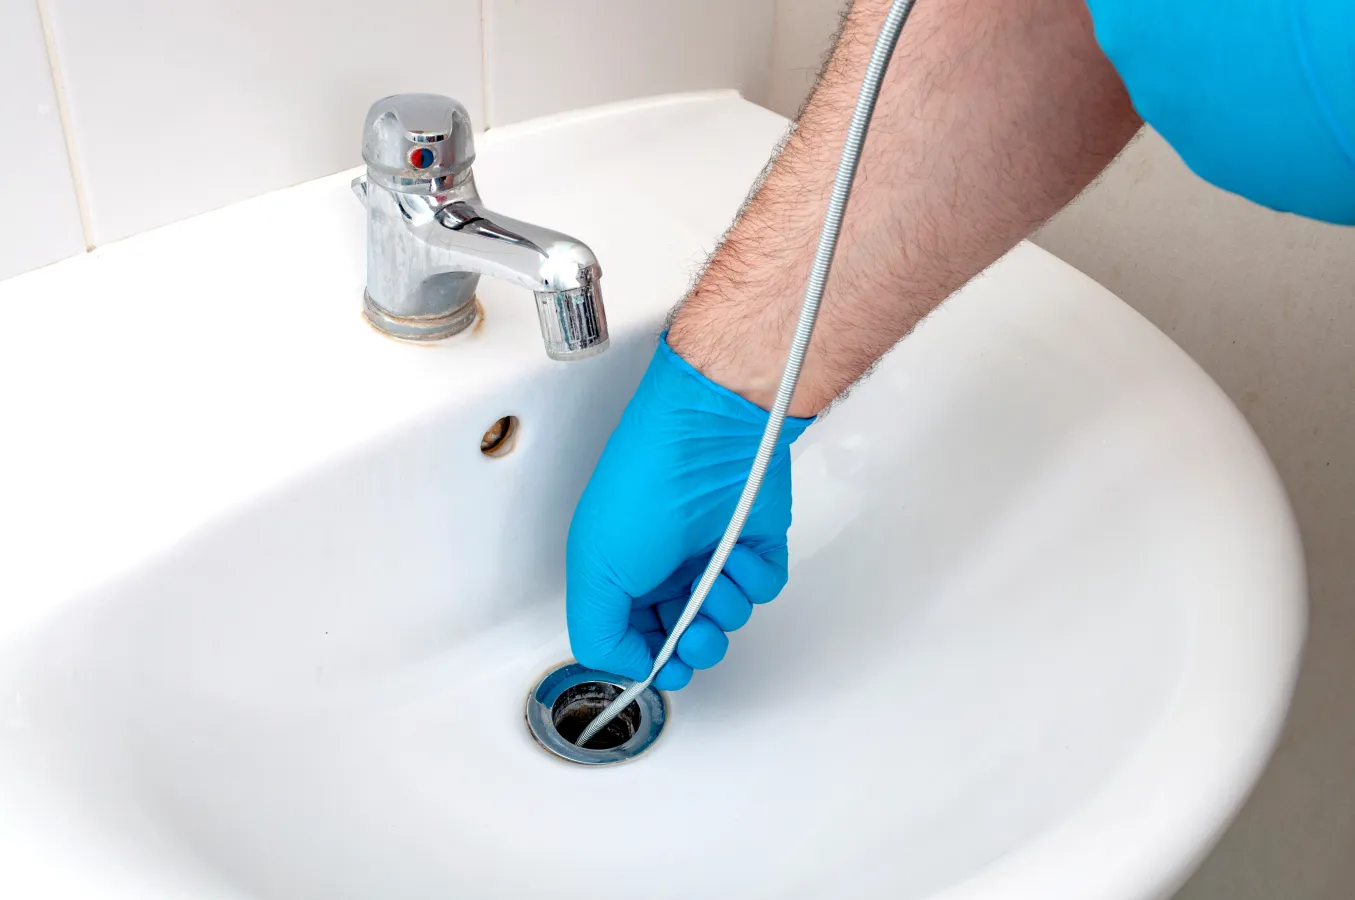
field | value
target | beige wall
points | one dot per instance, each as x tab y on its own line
802	32
1266	304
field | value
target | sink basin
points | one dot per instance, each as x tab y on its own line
269	616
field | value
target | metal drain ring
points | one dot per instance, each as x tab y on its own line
653	712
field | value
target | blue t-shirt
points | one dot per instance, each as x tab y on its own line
1257	96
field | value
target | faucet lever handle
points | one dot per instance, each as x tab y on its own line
417	143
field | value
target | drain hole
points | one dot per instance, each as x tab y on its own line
567	698
498	440
581	704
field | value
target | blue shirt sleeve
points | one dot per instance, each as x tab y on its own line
1257	96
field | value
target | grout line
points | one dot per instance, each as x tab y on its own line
772	55
64	112
771	50
484	63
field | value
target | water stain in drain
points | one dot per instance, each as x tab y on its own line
582	703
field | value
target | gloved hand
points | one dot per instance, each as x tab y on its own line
652	514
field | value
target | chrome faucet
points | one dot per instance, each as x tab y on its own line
429	238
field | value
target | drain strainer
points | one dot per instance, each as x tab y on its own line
568	698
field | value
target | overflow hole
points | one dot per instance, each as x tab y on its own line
500	437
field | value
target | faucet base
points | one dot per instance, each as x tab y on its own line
421	329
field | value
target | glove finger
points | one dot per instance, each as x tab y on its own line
600	636
703	644
760	577
726	605
675	673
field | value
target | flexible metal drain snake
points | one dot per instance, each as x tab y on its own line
804	329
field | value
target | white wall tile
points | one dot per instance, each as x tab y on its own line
181	106
546	56
40	222
804	34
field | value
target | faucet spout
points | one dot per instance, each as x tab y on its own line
493	244
560	270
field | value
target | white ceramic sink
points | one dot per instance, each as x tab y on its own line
268	617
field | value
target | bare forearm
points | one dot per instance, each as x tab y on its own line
994	114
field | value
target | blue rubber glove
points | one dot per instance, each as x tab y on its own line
1257	96
652	514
